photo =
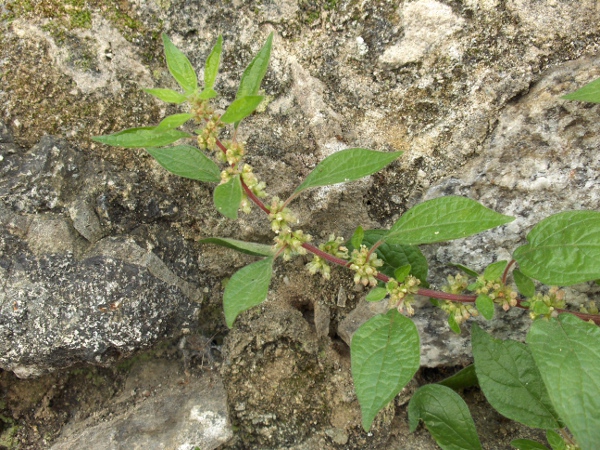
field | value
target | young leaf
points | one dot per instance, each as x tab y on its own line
207	94
446	416
187	161
247	288
567	353
510	380
588	93
463	379
357	237
385	354
211	68
250	248
485	305
167	95
241	108
453	324
401	273
524	283
465	269
527	444
347	165
555	441
256	70
443	219
180	66
141	137
563	249
228	196
376	294
494	271
173	121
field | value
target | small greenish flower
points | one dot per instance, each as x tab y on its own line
456	284
365	265
319	265
289	243
402	295
258	188
280	217
500	293
544	305
460	311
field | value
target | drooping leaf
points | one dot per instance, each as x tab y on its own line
465	269
186	161
567	353
347	165
495	270
462	379
141	137
247	288
443	219
527	444
510	380
588	93
524	284
167	95
241	108
376	294
446	416
485	305
555	441
228	196
173	121
385	355
256	70
211	67
250	248
357	237
563	249
180	67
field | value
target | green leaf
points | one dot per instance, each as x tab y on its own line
465	269
250	248
167	95
510	380
247	288
527	444
347	165
401	273
588	93
463	379
443	219
241	108
141	137
563	249
567	353
186	161
228	196
395	256
446	416
524	283
174	121
376	294
555	441
211	68
357	237
485	305
385	354
256	70
180	67
453	324
207	94
495	270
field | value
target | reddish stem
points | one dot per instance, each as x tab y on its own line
505	274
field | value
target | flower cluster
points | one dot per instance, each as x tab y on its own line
500	293
280	216
456	284
248	177
207	139
202	110
543	305
289	243
402	295
333	247
365	265
459	311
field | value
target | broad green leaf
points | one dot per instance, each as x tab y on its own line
141	137
395	256
207	94
241	108
167	95
211	68
567	353
180	66
357	237
485	305
510	380
463	379
495	270
524	284
446	416
563	249
174	121
250	248
527	444
376	294
385	354
187	161
256	70
588	93
555	441
247	288
347	165
465	269
401	273
228	196
443	219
